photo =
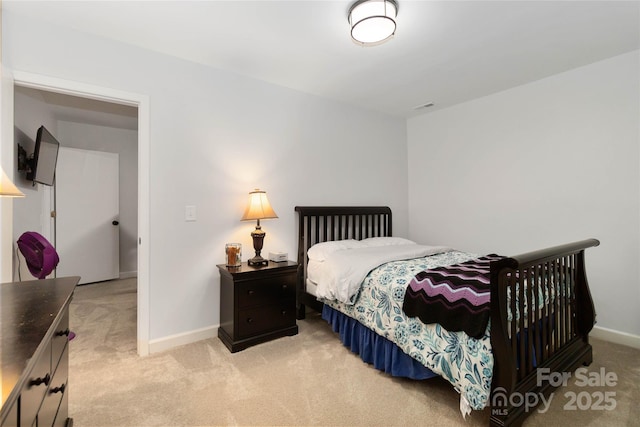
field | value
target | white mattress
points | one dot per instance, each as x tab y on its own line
311	287
340	275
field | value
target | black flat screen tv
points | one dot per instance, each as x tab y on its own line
45	157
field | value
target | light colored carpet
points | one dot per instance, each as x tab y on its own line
309	379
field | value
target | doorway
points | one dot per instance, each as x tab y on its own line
141	103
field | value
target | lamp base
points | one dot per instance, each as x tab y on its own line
258	239
257	261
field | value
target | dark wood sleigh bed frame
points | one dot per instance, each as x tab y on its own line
555	337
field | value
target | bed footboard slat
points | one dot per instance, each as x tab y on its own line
519	315
531	324
553	309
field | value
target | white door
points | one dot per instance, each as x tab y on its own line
87	210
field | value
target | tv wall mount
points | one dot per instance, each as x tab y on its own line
25	163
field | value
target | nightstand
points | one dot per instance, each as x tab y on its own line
257	304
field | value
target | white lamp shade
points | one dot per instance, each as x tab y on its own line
7	188
258	207
373	21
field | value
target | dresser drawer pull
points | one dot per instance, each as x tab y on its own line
39	381
285	287
284	312
63	333
249	320
57	389
250	292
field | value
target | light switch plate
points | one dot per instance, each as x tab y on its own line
190	213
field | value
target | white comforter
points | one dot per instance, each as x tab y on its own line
340	274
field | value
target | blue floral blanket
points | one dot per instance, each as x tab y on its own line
466	362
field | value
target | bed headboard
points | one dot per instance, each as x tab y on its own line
327	223
318	224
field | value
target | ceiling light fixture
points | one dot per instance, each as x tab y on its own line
372	21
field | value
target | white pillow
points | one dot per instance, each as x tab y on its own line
386	241
320	251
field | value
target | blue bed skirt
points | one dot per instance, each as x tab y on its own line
373	348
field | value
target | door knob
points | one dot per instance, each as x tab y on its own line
114	222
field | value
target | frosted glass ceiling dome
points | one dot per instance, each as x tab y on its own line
373	21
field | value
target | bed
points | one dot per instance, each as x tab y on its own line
539	313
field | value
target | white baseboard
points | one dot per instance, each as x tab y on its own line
166	343
128	274
143	348
616	337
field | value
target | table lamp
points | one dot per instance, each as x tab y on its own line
7	188
258	208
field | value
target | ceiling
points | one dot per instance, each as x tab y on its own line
69	108
445	52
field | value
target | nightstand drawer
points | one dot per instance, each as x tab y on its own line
265	319
276	290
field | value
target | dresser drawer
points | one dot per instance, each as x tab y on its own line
272	290
59	340
57	390
35	388
259	320
11	420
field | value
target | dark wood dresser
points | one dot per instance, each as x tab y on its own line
34	352
257	304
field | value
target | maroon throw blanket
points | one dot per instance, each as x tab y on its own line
456	296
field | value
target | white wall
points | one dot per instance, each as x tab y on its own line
546	163
30	112
6	160
125	143
214	136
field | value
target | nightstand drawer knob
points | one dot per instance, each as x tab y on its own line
284	312
249	320
251	292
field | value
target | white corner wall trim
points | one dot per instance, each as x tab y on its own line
616	337
166	343
73	88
